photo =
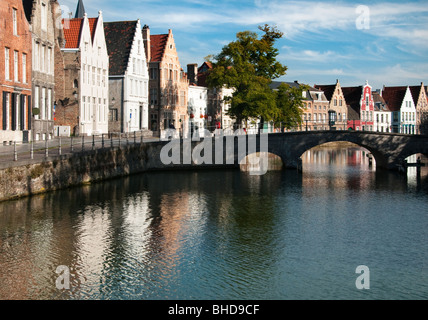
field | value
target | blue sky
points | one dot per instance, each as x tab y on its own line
384	42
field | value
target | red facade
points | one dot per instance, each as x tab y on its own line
15	72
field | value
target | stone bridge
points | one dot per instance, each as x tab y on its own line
387	149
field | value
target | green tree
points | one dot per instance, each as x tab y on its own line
289	102
248	65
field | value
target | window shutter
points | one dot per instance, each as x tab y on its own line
22	112
29	112
14	111
4	110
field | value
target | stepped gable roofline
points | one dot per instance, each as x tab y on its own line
119	38
394	97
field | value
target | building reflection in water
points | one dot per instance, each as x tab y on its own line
148	235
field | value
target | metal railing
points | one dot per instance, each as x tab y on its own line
59	146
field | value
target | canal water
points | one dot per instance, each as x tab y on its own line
224	235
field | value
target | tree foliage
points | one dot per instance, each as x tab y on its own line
248	65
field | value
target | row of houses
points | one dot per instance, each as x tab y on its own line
84	76
396	109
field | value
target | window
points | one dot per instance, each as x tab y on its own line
44	16
16	66
153	73
36	56
340	102
43	111
49	105
42	58
153	96
367	101
36	100
7	63
49	60
15	22
24	68
113	115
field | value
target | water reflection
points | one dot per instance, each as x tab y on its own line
204	235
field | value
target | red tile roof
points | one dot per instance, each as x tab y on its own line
72	29
92	26
157	44
393	97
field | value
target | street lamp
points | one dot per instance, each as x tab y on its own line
331	118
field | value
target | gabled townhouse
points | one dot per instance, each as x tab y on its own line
168	84
319	109
40	16
360	105
382	114
337	103
420	99
217	116
128	77
82	93
15	73
402	106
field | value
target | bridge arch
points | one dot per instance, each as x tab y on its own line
291	146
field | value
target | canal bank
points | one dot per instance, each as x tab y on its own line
31	177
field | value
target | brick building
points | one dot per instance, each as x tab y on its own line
15	73
40	16
168	84
419	95
337	103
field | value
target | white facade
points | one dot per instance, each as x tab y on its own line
136	88
382	120
93	91
197	108
407	114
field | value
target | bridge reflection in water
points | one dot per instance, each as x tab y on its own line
337	156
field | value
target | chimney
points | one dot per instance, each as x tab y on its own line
146	40
192	73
